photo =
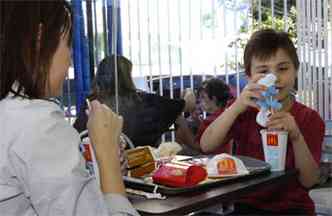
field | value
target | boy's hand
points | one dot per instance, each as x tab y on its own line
284	121
250	93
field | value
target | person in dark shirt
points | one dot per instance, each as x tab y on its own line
269	51
146	116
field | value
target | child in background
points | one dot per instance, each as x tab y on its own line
269	51
214	95
41	169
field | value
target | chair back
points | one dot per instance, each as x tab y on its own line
327	143
328	127
321	195
326	158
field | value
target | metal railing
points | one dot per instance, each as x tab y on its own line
178	38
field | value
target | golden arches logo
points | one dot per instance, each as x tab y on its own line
226	166
272	139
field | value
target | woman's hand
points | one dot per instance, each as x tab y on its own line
249	94
104	128
284	121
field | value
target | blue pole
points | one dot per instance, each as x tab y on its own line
119	50
85	57
86	66
81	56
104	5
77	47
119	37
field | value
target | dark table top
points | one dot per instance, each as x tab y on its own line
190	202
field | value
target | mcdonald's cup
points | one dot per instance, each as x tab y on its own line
275	148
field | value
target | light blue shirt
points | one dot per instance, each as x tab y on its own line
41	169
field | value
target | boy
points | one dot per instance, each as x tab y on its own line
269	51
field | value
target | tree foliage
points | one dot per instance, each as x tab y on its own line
254	23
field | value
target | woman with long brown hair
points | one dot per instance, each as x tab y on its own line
41	169
146	116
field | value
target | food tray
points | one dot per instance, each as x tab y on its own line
255	167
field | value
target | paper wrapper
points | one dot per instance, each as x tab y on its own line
176	174
168	149
225	165
139	156
142	170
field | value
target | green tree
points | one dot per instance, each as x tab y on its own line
277	22
253	24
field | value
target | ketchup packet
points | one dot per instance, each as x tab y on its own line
179	174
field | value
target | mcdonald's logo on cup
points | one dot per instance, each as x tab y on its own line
275	148
272	139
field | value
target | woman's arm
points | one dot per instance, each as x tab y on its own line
104	128
52	174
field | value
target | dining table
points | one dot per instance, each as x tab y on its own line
204	198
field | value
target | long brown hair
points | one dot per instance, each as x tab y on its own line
30	33
104	82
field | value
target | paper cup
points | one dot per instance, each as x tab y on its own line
90	158
275	148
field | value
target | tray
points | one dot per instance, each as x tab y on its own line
255	167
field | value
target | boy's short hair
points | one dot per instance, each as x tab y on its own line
216	88
264	43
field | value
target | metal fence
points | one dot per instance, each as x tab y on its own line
314	49
174	44
176	38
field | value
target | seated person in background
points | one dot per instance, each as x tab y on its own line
268	51
146	116
41	169
214	95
